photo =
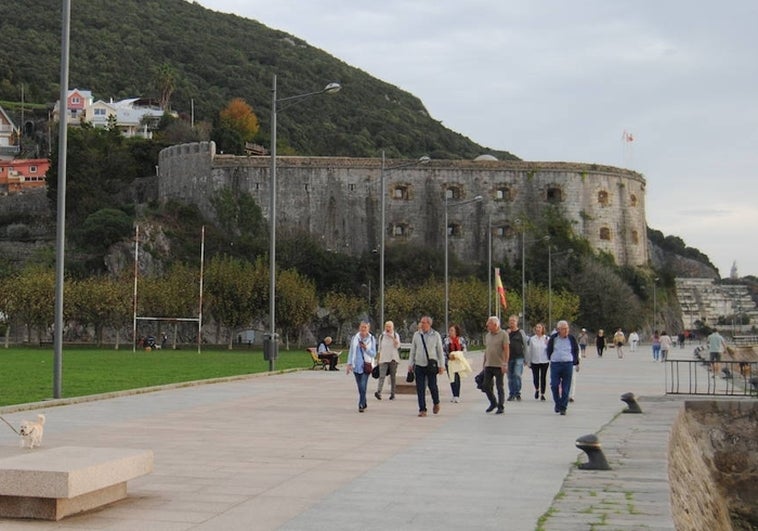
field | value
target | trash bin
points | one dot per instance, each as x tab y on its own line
270	348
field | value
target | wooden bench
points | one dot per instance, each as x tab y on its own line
317	362
55	483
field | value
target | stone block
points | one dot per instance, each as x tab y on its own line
51	484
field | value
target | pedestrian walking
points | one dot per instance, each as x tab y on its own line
666	344
495	364
600	343
517	340
426	360
618	341
454	343
656	346
563	351
389	358
537	360
360	361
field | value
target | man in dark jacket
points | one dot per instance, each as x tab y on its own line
563	352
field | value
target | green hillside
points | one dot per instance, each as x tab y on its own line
119	49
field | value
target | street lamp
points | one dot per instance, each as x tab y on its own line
655	304
382	224
517	221
550	255
447	230
328	89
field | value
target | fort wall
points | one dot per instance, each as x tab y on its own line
338	199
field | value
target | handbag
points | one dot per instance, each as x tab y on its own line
375	371
410	377
479	379
432	368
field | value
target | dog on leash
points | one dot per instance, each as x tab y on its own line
31	432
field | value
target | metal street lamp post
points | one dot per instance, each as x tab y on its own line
655	304
331	88
447	231
383	222
550	255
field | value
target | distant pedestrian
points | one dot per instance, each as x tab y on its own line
389	358
618	341
681	337
426	354
360	359
656	346
517	340
454	342
666	344
583	339
537	360
716	347
634	339
600	343
495	364
563	351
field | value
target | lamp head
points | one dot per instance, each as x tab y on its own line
331	88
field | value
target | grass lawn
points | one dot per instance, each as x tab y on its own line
26	373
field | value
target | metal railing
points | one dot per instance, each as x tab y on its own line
696	377
745	341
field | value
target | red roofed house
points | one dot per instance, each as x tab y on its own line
22	174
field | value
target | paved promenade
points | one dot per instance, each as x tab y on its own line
290	451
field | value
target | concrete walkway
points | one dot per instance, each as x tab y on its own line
290	451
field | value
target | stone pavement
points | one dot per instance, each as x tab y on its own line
290	451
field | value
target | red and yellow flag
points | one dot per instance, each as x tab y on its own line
500	289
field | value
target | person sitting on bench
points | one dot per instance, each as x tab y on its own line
325	354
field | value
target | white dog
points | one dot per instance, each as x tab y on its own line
31	432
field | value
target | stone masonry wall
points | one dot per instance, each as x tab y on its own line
339	199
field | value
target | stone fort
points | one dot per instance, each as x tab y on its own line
338	200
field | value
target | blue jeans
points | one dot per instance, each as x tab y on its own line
515	370
362	381
421	381
560	383
656	352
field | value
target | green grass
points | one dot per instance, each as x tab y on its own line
26	374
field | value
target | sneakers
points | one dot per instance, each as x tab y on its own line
499	411
491	408
392	396
511	398
436	409
542	397
456	399
563	412
518	398
377	395
422	413
536	395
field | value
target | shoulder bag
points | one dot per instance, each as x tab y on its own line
432	368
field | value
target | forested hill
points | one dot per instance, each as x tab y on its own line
129	48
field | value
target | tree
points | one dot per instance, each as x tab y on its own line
239	116
101	301
166	80
296	302
32	299
234	292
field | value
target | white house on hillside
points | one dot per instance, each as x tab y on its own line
8	136
133	116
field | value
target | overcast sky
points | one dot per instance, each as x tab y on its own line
562	81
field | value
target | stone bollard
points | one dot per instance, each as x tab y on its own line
590	445
631	401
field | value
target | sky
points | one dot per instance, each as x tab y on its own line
550	80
